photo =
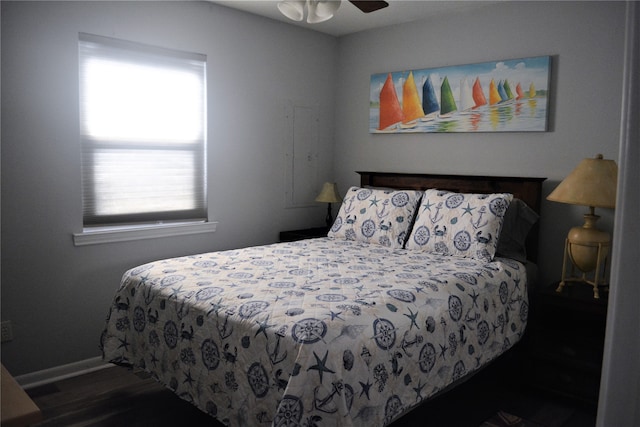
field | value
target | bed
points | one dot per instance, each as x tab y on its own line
415	288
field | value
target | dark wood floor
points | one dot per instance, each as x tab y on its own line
118	396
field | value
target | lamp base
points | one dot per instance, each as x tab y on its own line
329	218
599	275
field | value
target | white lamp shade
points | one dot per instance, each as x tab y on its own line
292	9
321	10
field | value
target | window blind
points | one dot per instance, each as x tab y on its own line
142	131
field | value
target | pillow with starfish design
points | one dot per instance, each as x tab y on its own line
459	224
378	216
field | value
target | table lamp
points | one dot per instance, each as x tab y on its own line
329	194
592	183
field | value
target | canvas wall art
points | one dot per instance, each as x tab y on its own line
499	96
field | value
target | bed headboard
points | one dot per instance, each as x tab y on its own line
526	189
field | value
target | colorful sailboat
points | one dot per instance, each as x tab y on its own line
478	95
532	91
447	102
411	105
390	109
502	92
466	96
507	90
519	93
494	96
430	104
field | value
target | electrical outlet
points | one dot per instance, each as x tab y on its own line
6	331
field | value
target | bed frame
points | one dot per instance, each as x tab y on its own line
528	190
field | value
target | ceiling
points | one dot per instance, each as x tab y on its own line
348	19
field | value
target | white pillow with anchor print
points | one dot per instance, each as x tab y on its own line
459	224
378	216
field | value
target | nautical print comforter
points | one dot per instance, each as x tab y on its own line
315	332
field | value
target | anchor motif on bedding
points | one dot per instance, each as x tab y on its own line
327	403
348	205
149	296
225	330
463	339
182	309
405	344
436	216
479	223
384	212
274	353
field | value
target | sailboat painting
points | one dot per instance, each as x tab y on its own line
484	97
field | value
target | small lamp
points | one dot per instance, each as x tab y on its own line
329	194
592	183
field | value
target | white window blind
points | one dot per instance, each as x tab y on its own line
142	129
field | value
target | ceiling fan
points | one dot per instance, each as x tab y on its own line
322	10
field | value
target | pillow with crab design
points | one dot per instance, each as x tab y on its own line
460	224
378	216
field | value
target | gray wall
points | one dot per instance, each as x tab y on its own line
586	42
56	294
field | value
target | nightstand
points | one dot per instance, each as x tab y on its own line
307	233
566	340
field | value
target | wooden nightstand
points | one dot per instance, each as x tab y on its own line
566	340
307	233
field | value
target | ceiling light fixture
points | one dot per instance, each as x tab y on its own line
317	10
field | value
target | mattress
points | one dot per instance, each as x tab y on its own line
315	332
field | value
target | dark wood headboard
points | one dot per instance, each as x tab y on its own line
526	189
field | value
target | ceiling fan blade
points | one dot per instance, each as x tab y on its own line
368	6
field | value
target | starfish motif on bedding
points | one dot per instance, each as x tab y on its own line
175	292
474	297
320	365
216	307
418	390
264	325
124	343
188	379
468	210
443	351
335	315
365	388
412	316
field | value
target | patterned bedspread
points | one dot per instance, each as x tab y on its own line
316	332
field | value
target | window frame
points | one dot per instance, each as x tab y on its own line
95	223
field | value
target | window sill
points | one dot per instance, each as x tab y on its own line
126	234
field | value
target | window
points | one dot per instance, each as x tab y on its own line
143	133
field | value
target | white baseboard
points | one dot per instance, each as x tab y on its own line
57	373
